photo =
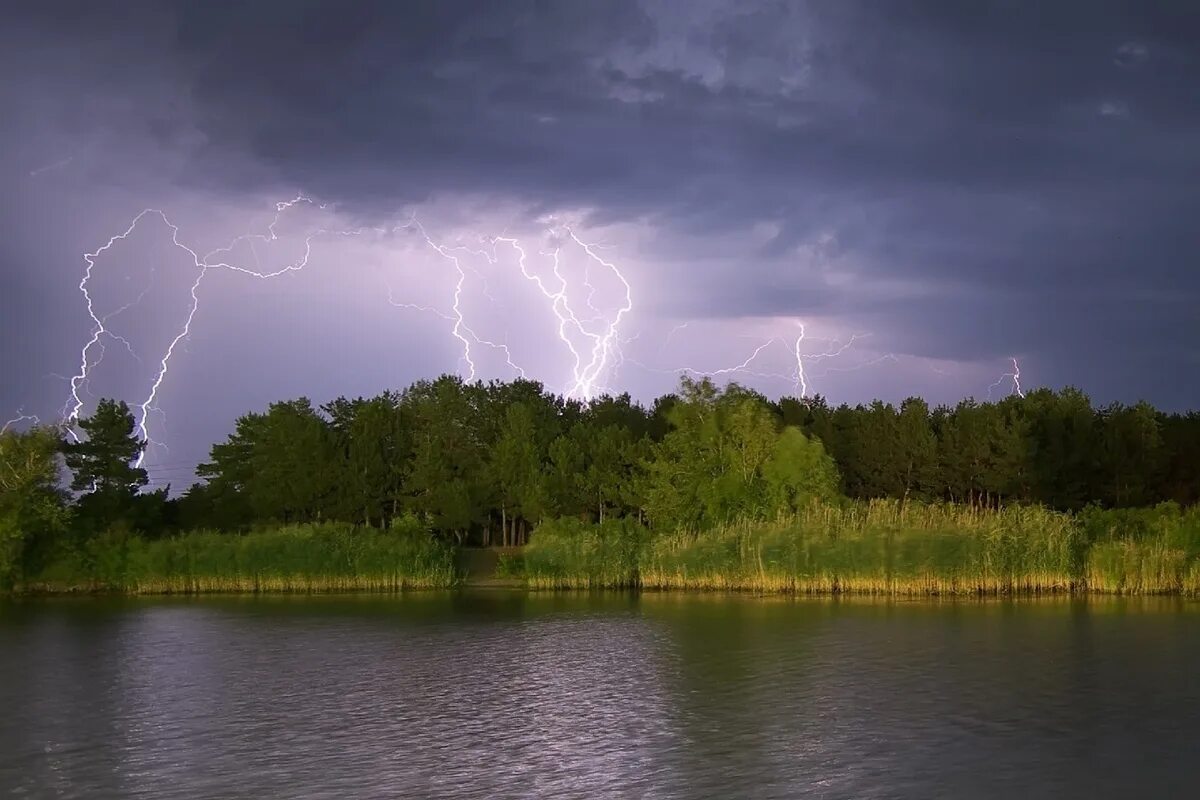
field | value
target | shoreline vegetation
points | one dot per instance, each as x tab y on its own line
710	488
333	557
883	548
878	548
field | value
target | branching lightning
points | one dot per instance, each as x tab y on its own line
600	331
801	382
203	264
1014	376
19	418
460	329
798	377
584	383
588	312
667	339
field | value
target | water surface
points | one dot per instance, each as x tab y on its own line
499	694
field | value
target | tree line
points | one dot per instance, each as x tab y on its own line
490	459
482	462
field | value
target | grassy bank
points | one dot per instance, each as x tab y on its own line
302	558
569	554
1142	551
885	548
880	548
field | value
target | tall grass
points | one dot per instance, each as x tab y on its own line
875	548
298	558
569	554
881	547
885	547
1143	551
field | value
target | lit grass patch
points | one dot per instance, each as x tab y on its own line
569	554
876	548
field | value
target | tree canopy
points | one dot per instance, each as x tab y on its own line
32	506
485	462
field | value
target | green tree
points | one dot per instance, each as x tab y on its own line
373	445
516	469
102	464
565	473
1130	454
678	476
1180	459
917	450
285	463
447	482
799	472
1063	437
32	505
726	458
611	459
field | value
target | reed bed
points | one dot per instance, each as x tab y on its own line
886	548
300	558
874	548
1144	551
569	554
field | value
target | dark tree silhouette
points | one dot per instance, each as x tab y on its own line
102	464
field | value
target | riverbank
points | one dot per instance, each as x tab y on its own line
298	558
878	548
884	548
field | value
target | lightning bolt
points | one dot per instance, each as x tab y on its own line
588	333
586	370
1014	376
62	162
605	342
459	325
19	418
203	264
862	364
801	377
460	329
415	307
740	368
798	377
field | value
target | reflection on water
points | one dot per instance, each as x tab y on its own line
496	694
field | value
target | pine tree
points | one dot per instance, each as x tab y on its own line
102	463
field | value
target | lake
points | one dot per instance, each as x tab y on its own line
495	694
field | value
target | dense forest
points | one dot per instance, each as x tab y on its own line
483	463
487	460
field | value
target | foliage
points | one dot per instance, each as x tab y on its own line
569	554
709	478
726	458
306	558
33	509
881	547
101	463
888	547
485	462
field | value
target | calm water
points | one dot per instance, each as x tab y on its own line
497	694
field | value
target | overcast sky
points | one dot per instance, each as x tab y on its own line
952	184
